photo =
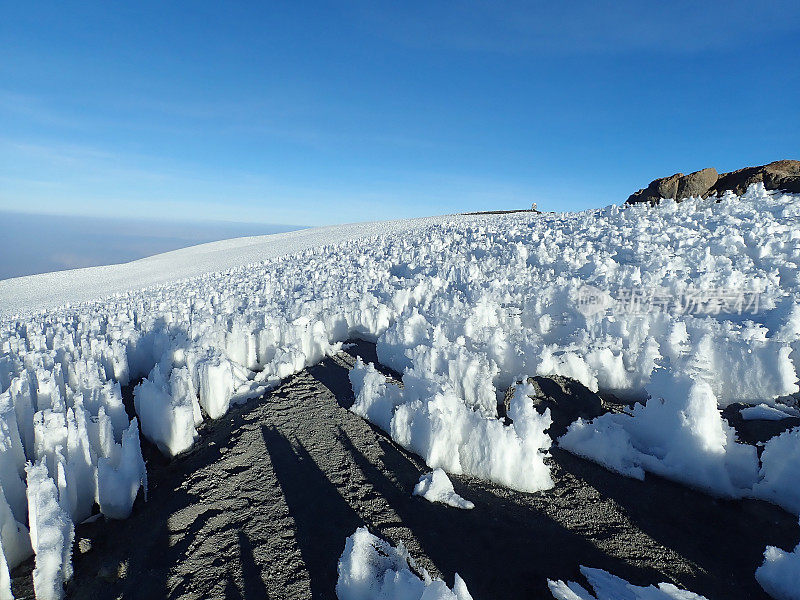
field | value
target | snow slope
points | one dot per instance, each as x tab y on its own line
462	306
24	295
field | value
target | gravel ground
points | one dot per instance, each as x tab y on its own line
262	506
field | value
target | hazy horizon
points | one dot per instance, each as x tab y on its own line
70	242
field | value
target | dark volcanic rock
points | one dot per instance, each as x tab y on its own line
779	175
566	398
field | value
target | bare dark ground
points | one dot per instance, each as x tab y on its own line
262	506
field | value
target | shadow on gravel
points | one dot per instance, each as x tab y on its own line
500	548
725	538
253	585
322	518
334	372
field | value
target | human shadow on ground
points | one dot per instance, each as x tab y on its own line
502	549
149	547
322	517
252	583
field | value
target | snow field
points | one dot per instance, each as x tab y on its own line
463	307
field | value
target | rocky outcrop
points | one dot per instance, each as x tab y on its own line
778	175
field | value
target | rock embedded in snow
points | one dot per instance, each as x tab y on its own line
566	399
676	187
437	487
371	568
778	175
610	587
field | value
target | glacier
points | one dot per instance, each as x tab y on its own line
462	306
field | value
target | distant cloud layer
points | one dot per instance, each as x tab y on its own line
33	244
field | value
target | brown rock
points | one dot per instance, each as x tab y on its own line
778	175
665	187
696	184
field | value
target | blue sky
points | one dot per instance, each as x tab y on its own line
316	113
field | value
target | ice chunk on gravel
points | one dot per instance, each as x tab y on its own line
167	410
610	587
371	568
678	433
764	412
120	476
779	574
216	385
437	487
